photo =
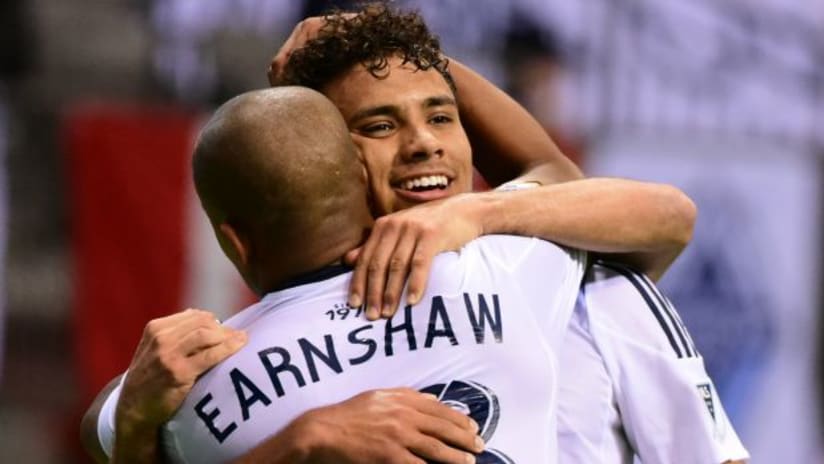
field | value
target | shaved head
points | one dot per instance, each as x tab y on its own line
278	166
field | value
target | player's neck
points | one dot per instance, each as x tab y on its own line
289	262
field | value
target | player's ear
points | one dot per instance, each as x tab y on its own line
235	244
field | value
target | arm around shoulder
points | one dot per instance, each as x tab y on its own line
646	225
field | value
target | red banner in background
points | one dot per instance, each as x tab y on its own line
128	175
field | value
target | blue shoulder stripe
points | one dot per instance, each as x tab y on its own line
672	315
671	309
675	332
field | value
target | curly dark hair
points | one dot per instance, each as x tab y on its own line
373	35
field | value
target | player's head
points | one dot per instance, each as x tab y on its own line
385	72
279	178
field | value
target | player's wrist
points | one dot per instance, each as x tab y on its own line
135	444
131	419
297	443
484	210
308	439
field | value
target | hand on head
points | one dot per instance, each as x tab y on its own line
303	32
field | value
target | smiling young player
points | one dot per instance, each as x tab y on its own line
418	140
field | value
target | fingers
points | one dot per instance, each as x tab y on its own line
376	262
303	32
451	435
398	250
190	342
162	323
442	433
386	266
171	330
200	338
433	449
430	406
397	425
360	275
205	359
419	267
397	271
358	283
203	341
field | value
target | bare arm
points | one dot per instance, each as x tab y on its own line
655	223
597	214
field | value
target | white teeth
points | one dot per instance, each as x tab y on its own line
426	181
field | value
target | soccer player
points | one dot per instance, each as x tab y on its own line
458	181
633	385
603	418
279	178
386	73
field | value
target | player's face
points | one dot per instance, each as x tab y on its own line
407	129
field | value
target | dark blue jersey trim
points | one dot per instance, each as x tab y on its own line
642	290
313	276
669	312
672	309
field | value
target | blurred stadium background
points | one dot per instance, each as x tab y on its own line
99	101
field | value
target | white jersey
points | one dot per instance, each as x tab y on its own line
493	317
633	382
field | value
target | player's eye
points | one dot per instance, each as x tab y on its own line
377	129
440	119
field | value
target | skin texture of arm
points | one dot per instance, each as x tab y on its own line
600	215
597	214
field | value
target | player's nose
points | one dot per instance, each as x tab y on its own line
420	143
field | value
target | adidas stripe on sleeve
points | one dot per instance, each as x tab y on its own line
633	382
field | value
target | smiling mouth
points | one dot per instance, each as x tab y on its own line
425	183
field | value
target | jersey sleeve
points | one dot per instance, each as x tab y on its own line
668	404
548	276
105	420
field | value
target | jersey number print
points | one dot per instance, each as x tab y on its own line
479	403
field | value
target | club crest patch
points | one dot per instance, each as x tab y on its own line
705	390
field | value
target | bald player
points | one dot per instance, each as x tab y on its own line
458	181
279	179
